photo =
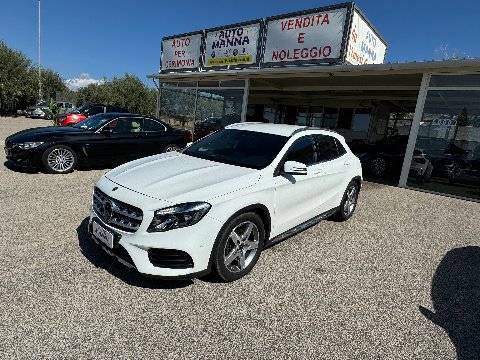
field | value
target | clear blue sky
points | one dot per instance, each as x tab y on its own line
110	38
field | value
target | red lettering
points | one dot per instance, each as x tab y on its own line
296	53
325	20
290	24
298	23
304	53
306	22
327	50
301	38
284	25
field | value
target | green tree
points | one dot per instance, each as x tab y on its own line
19	80
128	92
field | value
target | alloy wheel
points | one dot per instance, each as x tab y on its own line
241	246
60	160
378	166
350	201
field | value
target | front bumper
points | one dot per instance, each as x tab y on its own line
24	158
141	249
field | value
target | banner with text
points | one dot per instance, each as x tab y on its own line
306	38
232	46
364	46
181	53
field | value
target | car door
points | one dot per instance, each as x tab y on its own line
122	140
155	136
298	197
334	163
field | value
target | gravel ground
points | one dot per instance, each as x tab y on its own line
400	280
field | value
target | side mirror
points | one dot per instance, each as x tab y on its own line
295	168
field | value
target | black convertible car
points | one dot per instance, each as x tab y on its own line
103	139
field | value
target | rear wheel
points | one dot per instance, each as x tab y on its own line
171	147
349	202
239	247
59	159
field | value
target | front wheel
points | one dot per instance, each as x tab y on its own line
239	247
59	159
349	202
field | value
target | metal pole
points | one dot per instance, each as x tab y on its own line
39	67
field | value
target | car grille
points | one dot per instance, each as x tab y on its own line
116	213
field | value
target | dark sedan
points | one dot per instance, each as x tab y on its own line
103	139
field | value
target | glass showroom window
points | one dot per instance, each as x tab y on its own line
446	158
177	106
217	108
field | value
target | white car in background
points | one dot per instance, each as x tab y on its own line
217	204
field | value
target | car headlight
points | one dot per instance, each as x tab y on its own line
29	145
178	216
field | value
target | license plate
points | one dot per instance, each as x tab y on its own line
7	151
102	234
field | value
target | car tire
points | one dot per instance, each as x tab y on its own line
378	166
59	159
238	247
348	204
171	147
455	172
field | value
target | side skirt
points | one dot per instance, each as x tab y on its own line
299	228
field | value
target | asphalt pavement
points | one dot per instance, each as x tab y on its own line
399	280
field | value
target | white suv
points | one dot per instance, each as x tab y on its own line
217	204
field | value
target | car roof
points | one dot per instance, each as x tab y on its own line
277	129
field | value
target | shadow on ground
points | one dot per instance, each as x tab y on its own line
456	300
95	254
24	170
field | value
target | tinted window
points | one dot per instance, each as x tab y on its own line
340	148
125	125
151	125
95	110
326	148
303	150
239	147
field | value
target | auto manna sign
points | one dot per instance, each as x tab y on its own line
181	52
236	45
364	45
310	37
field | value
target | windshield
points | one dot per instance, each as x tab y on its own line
250	149
80	109
93	122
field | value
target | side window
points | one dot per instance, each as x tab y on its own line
302	151
152	125
340	148
125	125
326	148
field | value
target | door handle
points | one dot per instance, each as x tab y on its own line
318	172
346	163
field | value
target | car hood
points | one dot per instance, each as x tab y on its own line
177	178
42	133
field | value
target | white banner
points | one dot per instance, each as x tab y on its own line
181	52
232	46
315	36
364	46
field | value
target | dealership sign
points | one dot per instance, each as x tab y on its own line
364	45
305	38
338	34
181	53
232	46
